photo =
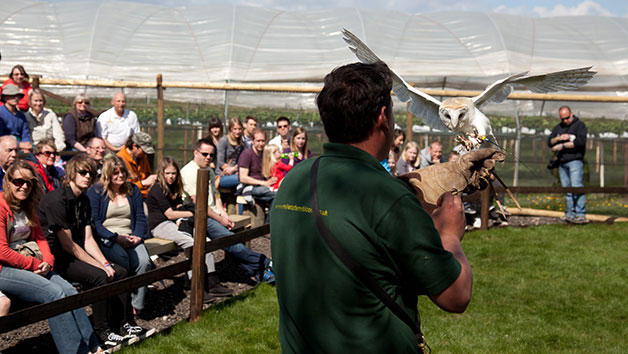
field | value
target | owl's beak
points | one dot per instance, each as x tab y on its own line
454	122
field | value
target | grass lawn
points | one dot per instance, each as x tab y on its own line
547	289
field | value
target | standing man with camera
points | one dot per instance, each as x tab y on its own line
568	140
376	218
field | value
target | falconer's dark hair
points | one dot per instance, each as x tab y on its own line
351	100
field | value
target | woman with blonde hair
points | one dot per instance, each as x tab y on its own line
408	161
298	148
272	166
119	223
79	124
229	148
31	277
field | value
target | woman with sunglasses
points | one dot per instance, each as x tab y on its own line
120	224
42	122
164	202
43	159
29	278
65	214
19	78
79	124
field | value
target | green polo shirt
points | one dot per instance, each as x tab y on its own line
323	307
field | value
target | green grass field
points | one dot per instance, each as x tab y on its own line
547	289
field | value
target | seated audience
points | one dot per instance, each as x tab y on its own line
398	140
218	222
8	154
253	182
166	214
272	166
65	214
298	147
43	159
250	124
12	120
282	140
134	156
42	122
19	78
117	124
431	155
392	164
119	223
96	151
215	133
408	161
31	278
79	124
230	147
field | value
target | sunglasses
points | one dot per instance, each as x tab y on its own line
81	102
49	153
205	154
19	182
84	172
282	126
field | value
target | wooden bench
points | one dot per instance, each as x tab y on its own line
157	246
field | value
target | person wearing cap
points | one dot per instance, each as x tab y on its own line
12	120
134	156
117	124
19	78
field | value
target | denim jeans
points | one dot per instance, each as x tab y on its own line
71	330
136	260
571	176
251	262
228	181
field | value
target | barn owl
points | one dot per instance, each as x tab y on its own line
462	114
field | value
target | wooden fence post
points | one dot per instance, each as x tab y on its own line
625	164
160	118
198	252
485	197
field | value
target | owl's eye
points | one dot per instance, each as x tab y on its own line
447	116
461	114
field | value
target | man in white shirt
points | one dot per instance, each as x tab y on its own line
282	140
218	222
117	124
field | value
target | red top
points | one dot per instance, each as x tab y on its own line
10	257
23	103
279	170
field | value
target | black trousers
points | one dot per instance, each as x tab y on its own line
108	314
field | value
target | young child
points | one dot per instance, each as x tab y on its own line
273	166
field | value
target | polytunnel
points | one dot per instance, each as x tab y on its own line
131	41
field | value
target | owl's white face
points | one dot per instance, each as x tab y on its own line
456	112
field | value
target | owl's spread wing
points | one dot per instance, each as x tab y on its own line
550	82
423	105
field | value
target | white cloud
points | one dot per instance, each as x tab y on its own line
585	8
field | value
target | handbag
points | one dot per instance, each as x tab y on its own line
357	269
30	249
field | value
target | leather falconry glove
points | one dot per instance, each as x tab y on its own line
469	173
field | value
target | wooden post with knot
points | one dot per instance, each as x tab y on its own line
198	251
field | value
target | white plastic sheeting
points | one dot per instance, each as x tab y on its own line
117	40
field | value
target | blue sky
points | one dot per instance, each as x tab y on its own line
532	8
